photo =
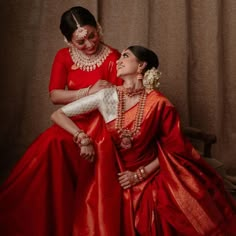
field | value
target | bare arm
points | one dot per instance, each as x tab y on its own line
63	121
61	96
128	179
151	167
61	117
79	137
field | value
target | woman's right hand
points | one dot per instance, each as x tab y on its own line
100	84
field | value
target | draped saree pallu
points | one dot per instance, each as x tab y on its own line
185	196
52	191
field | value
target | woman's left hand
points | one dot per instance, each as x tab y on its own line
128	179
100	84
87	152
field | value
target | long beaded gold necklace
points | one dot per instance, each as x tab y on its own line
126	135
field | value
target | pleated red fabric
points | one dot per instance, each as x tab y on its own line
52	191
186	196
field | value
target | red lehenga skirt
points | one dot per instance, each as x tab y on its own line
52	191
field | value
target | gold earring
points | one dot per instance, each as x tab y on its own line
140	75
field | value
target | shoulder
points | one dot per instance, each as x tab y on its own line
161	105
62	54
108	92
157	97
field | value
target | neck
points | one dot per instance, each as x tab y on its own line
131	85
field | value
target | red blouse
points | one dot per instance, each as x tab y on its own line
62	76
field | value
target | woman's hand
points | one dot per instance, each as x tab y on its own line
87	152
128	179
100	84
86	145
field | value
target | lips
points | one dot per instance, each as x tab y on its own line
90	51
119	67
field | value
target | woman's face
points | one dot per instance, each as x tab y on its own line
89	44
127	64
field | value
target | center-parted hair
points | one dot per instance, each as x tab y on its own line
83	17
145	54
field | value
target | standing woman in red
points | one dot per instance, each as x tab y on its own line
53	182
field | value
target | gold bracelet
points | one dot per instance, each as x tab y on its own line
76	135
82	92
141	173
136	179
87	92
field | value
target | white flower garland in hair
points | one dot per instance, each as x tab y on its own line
151	78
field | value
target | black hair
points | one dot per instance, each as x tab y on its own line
83	17
145	55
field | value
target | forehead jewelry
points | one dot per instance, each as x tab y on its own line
80	32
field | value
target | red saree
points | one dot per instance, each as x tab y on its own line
52	191
186	197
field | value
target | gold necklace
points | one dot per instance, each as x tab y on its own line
127	135
89	63
130	93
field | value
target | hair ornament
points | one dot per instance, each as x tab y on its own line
151	78
80	32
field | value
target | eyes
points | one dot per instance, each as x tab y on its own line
124	55
91	36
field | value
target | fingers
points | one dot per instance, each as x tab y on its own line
103	82
100	84
125	183
88	157
88	153
127	179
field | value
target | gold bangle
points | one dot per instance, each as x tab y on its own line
136	180
141	173
87	92
82	92
76	135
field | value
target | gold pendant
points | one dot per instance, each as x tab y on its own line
126	142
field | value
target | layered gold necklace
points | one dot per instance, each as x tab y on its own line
127	135
89	63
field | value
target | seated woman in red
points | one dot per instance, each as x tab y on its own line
168	189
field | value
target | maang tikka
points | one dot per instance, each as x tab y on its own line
80	32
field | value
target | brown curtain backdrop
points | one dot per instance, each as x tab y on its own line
195	41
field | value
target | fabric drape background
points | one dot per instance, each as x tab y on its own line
195	41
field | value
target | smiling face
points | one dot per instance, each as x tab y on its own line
127	65
89	44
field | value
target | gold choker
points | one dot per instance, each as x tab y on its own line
130	93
